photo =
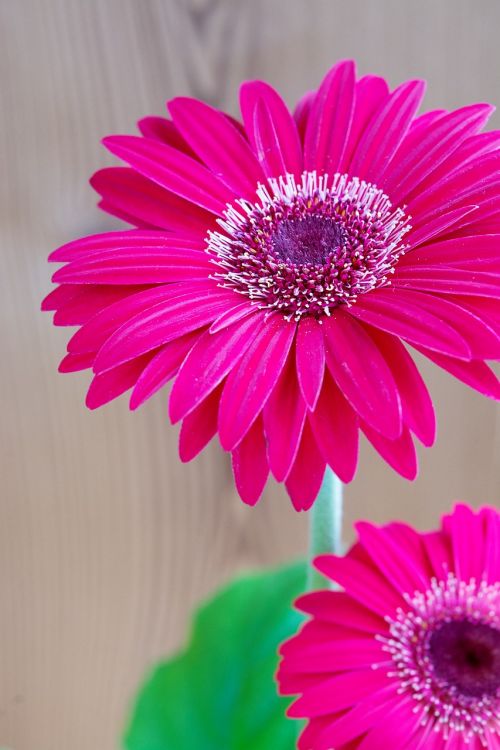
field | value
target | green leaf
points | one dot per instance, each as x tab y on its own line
220	692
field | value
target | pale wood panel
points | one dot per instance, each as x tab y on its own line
106	540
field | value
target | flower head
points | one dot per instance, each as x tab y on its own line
408	655
280	264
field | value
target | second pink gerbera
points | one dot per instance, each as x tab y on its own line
407	657
276	266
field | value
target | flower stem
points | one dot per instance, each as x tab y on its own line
325	530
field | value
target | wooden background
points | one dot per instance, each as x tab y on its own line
106	540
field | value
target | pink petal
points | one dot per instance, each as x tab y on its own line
111	384
173	170
250	383
335	427
339	608
420	153
161	368
337	693
491	520
446	280
330	119
250	464
468	543
310	359
284	416
141	203
160	324
387	129
391	558
400	729
304	480
228	317
475	374
138	197
271	129
349	654
136	266
86	301
131	238
361	373
370	93
210	360
76	362
476	252
98	329
163	130
426	231
438	551
218	143
400	453
364	584
302	111
200	425
483	341
395	311
416	403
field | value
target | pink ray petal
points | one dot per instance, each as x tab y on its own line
330	119
438	551
250	465
439	225
219	143
109	385
160	324
400	729
161	368
234	314
361	373
491	520
76	362
461	252
337	693
335	427
302	111
348	654
362	582
467	540
483	341
98	329
391	559
249	384
200	426
387	129
284	416
163	130
211	359
271	129
310	359
475	374
420	153
172	170
446	280
339	608
141	199
370	93
304	480
395	311
86	301
130	238
400	453
416	403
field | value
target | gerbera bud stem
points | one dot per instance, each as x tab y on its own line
325	529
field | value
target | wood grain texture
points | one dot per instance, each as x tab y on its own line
106	540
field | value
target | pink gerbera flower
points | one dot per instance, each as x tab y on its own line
408	655
276	267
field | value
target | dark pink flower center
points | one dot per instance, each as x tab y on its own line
467	655
304	248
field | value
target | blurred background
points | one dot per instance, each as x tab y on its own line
106	540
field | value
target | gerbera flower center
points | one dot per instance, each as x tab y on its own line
445	649
467	655
306	247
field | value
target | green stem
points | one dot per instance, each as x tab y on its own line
325	530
